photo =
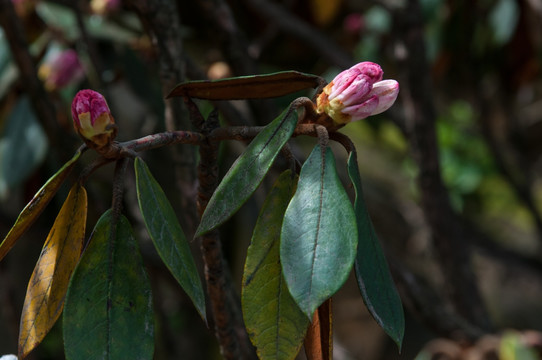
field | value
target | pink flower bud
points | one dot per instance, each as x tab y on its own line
61	69
357	93
92	119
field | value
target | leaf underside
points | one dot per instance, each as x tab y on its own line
108	312
248	87
319	234
372	272
248	171
274	322
49	281
167	234
34	208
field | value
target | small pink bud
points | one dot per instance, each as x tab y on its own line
353	24
61	69
92	119
357	93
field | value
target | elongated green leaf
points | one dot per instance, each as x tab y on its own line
372	273
274	322
108	311
34	208
248	87
49	281
319	234
167	235
248	171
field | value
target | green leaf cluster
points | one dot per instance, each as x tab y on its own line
307	240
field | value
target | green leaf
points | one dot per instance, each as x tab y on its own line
503	20
9	72
248	171
274	322
514	346
248	87
22	147
167	235
49	282
34	208
372	273
108	311
59	17
319	234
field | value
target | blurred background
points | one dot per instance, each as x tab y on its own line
452	172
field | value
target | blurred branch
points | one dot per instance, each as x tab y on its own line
447	231
235	47
233	39
521	185
89	42
426	304
15	34
297	28
162	21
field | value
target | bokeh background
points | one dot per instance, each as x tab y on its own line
452	172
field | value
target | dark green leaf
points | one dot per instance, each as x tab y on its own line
167	235
248	87
319	234
34	208
248	171
108	311
22	147
372	273
274	322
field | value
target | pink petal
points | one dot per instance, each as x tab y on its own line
357	91
342	82
387	92
363	110
370	69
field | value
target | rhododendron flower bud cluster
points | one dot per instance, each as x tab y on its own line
357	93
61	69
92	118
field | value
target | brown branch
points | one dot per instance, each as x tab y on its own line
163	139
229	327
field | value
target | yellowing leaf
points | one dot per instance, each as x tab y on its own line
34	208
49	281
